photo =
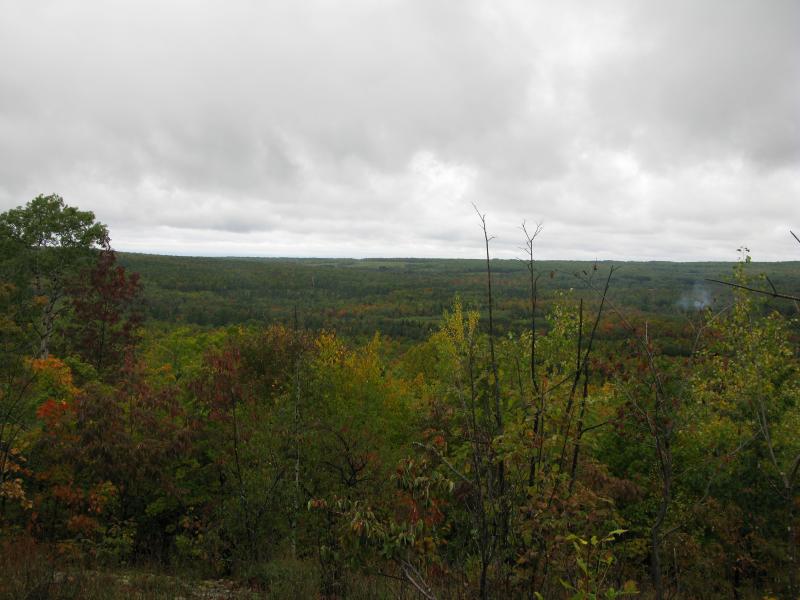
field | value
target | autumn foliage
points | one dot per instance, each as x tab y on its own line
572	458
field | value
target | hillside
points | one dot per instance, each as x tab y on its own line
405	298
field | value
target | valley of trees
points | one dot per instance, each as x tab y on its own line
395	428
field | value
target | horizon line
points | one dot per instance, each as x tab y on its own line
422	258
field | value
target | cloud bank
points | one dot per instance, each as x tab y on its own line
631	129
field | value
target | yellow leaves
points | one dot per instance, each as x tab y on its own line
426	545
630	587
100	496
54	377
454	324
13	490
326	342
458	331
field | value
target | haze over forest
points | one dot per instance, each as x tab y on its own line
632	130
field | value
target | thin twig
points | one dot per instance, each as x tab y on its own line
773	294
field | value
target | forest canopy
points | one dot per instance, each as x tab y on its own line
393	428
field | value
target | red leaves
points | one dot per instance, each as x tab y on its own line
317	504
53	410
83	524
107	313
222	386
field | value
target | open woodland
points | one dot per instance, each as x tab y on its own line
392	428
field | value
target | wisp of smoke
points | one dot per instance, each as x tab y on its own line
698	298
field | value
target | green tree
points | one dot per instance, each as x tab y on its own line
42	248
750	381
16	406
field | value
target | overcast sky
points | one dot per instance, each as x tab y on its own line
630	129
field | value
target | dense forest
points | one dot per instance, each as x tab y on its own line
406	298
393	428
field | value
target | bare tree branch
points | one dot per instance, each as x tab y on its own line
773	294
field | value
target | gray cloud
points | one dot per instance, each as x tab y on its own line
633	129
